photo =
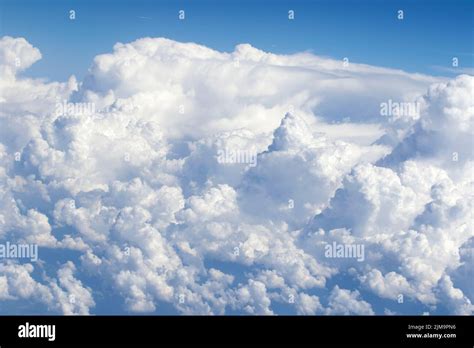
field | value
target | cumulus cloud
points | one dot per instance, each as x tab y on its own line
64	294
17	54
346	302
443	132
209	182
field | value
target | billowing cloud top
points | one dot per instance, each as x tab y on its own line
179	179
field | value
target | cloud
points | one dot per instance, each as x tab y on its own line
253	298
192	90
209	182
300	171
64	295
454	70
17	54
346	302
444	131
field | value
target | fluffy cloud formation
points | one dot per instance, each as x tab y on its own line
443	132
64	294
186	180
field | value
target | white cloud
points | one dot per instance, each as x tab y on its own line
346	302
136	188
71	295
66	295
443	134
17	54
253	298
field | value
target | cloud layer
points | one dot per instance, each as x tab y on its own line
179	179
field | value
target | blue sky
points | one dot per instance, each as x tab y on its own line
365	31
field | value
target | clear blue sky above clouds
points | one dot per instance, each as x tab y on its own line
365	31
